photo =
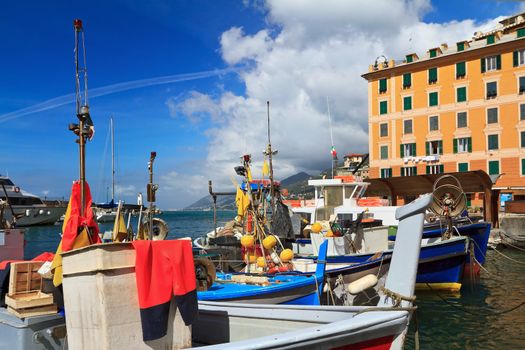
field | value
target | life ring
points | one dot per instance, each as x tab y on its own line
17	189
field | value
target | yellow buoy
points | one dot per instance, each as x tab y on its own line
251	258
317	227
247	241
261	261
329	234
286	255
269	242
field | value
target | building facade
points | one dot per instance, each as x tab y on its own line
458	108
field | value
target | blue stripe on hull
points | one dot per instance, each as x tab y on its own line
449	270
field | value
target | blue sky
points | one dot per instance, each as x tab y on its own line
194	125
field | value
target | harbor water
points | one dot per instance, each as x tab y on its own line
476	318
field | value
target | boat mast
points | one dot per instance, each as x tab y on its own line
270	153
112	161
332	151
84	129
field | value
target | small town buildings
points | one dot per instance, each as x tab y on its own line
459	107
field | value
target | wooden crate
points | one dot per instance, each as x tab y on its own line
33	311
24	277
28	300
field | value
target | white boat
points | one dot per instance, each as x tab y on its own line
29	209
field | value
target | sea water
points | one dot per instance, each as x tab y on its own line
475	318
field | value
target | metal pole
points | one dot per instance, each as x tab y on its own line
82	151
272	190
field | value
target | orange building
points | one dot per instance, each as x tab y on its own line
458	108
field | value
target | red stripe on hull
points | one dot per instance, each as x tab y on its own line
383	343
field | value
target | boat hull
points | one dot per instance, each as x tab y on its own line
31	215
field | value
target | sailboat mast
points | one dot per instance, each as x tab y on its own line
272	189
112	160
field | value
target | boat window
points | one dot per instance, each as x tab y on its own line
333	196
6	182
348	191
24	200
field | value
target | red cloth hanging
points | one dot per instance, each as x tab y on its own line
75	222
164	269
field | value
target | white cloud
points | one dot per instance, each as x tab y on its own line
125	190
310	51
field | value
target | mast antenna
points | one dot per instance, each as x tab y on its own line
270	153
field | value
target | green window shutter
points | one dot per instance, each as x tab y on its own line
461	46
409	58
382	85
441	168
460	69
515	59
520	32
440	144
383	107
522	139
455	145
407	80
469	144
414	170
523	167
461	94
401	150
498	62
427	148
433	99
432	75
483	68
428	169
414	149
491	39
407	103
462	167
493	167
433	53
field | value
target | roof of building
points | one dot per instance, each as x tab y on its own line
504	33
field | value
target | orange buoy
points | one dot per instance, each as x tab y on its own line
286	255
269	242
247	241
261	261
317	227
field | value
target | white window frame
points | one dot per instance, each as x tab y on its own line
434	169
430	148
380	129
407	171
521	57
462	145
487	115
407	150
429	118
491	63
411	125
457	124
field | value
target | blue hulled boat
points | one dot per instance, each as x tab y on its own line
284	288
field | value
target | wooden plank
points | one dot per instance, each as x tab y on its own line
33	311
28	300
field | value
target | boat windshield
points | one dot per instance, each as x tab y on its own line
349	190
6	182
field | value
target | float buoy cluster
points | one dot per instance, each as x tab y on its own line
264	255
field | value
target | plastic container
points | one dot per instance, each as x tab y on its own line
101	302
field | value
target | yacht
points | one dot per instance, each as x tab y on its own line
29	208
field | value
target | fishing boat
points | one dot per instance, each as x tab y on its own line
28	208
443	261
231	325
283	288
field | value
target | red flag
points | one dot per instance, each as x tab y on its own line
75	223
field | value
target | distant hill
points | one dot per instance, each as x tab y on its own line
297	185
